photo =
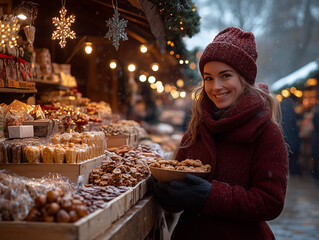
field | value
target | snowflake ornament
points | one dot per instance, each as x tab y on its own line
116	29
63	30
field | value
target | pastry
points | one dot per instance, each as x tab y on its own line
59	154
70	155
32	154
47	154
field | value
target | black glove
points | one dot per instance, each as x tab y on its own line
160	191
189	194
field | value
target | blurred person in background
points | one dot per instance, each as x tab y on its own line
291	135
315	144
234	129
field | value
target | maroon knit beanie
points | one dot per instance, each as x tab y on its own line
236	48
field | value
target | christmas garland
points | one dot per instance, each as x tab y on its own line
179	17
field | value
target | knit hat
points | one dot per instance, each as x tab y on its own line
236	48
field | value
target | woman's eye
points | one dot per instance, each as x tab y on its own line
208	79
226	76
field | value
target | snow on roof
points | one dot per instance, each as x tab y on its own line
301	73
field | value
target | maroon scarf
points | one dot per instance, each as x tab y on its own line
242	123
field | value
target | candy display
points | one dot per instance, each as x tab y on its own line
120	171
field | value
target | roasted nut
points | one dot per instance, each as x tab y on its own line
62	216
66	204
40	201
76	202
81	210
73	216
34	215
48	218
52	196
59	190
52	208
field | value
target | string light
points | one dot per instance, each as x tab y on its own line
285	93
180	83
183	94
143	49
151	79
88	48
9	31
279	97
142	78
113	65
155	67
131	67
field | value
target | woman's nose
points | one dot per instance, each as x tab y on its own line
217	84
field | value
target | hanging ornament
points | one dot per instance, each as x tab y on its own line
62	25
116	28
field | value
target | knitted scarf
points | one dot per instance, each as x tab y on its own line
242	123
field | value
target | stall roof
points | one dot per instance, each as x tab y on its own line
298	77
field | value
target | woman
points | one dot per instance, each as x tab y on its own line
233	128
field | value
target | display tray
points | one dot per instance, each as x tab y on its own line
89	227
117	140
70	170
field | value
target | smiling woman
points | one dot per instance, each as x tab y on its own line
222	84
232	129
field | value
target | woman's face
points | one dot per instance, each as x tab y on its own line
222	84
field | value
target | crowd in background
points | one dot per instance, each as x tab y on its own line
300	126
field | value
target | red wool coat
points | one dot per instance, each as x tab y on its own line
249	173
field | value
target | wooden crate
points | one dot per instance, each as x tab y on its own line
89	227
117	141
70	170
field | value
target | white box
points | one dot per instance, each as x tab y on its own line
21	131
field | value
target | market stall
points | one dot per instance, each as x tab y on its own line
302	87
72	166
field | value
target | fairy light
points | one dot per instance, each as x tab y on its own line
285	93
131	67
113	65
151	79
180	83
88	48
155	67
279	97
9	31
142	78
143	49
182	94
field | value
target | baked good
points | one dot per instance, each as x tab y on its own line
47	154
70	155
32	154
56	139
59	154
16	153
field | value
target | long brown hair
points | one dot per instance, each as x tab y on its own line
199	96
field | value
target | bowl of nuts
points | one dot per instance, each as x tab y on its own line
173	170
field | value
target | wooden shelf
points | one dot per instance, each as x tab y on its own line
49	84
16	90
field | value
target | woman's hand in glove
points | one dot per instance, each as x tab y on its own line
189	194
